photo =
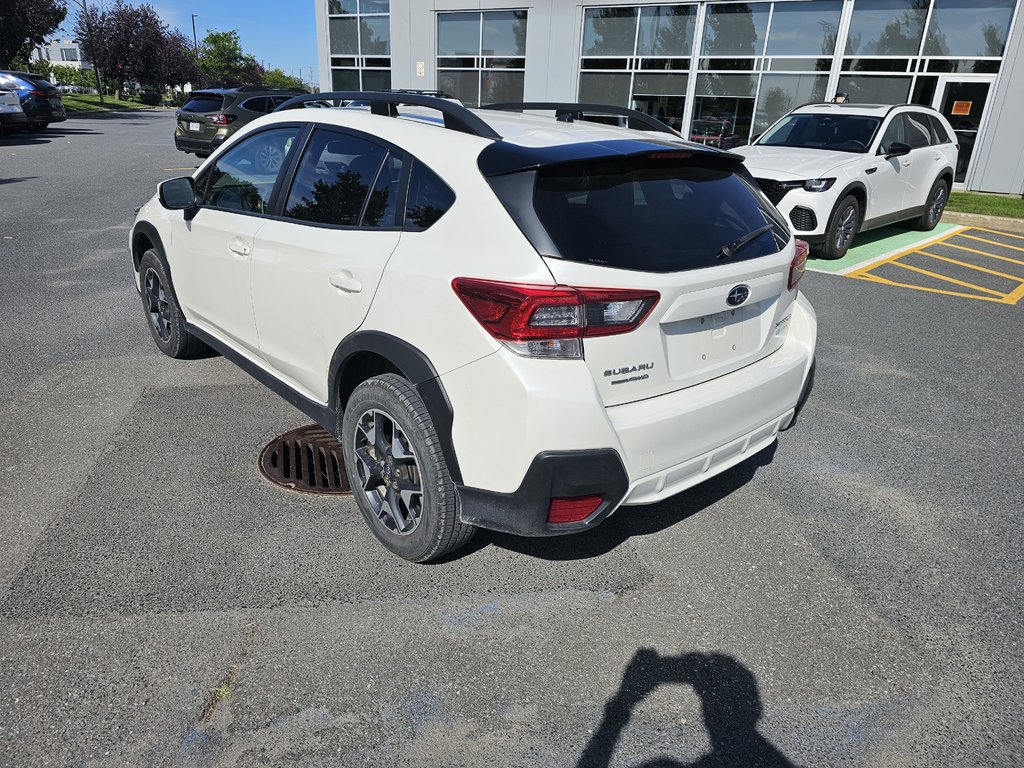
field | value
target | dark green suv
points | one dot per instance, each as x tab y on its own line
211	115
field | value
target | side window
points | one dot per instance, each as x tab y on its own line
277	101
893	133
334	178
382	207
243	179
429	199
939	130
919	133
256	104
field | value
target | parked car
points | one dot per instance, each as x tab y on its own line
714	133
837	169
509	321
12	116
210	116
40	99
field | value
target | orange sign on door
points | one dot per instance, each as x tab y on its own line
961	108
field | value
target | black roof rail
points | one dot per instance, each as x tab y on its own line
456	116
569	110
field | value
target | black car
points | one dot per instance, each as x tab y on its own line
211	115
40	99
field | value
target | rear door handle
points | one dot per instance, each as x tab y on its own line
345	281
240	247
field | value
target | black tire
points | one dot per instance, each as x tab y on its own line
202	155
842	226
933	207
163	315
397	471
38	127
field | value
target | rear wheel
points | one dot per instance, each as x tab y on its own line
397	472
842	226
165	319
38	127
933	209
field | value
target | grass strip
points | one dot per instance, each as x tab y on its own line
987	205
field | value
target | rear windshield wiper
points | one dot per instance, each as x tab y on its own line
735	245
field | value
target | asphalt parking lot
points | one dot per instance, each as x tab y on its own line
851	597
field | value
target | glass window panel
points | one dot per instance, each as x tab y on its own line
801	65
343	61
344	36
504	33
666	30
804	28
659	84
924	90
735	29
429	198
463	85
609	32
886	27
376	80
894	133
968	27
726	85
344	79
745	65
737	112
497	86
664	64
376	34
375	6
875	65
341	6
604	88
781	93
243	178
458	34
967	66
668	109
918	131
604	64
382	207
875	90
504	63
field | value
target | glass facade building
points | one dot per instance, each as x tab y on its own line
713	68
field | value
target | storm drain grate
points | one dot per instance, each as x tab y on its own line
307	459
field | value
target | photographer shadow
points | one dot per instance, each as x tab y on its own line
730	703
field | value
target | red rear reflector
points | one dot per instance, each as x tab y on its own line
572	510
798	266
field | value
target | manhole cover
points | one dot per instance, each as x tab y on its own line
307	459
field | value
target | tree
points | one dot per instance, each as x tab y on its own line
222	60
178	63
65	75
276	78
125	43
26	23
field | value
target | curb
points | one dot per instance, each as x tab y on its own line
990	222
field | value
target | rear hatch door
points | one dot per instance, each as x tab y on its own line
195	118
692	227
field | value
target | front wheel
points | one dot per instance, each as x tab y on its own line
933	209
841	229
165	319
397	472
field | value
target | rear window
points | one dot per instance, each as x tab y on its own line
654	215
203	102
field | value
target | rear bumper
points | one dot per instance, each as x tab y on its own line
185	144
10	120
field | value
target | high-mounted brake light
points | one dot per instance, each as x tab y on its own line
552	321
222	119
669	155
798	266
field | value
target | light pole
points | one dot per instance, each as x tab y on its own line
92	45
195	40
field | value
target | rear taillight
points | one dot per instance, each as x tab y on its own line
572	510
222	119
552	321
37	93
798	266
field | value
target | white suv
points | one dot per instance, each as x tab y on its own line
837	169
508	320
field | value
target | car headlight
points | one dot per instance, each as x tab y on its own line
818	185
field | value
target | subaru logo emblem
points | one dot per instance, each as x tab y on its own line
738	295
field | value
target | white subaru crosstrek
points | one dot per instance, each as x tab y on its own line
509	321
837	169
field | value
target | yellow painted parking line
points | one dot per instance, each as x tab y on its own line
961	283
997	232
993	242
973	266
1016	295
985	253
884	281
899	254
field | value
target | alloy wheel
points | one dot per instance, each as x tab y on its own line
157	306
937	205
844	234
388	473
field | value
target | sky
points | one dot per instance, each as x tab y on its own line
279	34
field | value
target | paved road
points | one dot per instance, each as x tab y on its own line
851	598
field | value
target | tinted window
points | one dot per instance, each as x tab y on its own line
243	179
893	133
917	130
429	199
653	214
841	133
334	178
382	207
256	104
939	131
203	102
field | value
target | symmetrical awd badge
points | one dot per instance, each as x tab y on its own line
738	295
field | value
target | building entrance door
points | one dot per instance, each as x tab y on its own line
961	99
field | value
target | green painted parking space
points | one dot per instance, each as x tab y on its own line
879	244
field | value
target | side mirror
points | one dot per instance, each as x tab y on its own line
178	194
897	149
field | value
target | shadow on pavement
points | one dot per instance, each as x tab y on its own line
16	179
628	522
730	703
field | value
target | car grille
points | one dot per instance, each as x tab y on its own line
803	219
773	190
